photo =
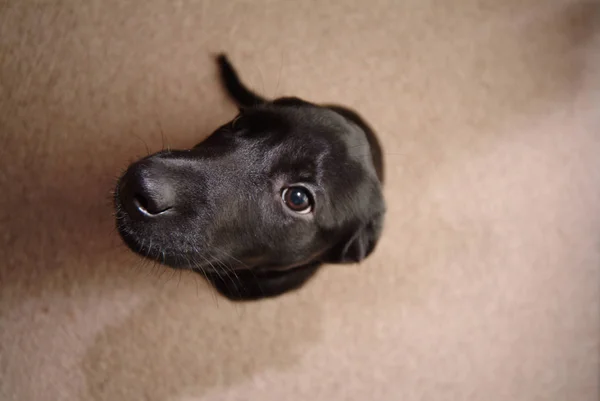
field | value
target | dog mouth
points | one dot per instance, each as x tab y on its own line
154	249
175	258
215	263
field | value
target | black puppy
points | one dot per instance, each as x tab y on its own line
258	206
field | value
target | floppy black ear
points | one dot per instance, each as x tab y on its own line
357	246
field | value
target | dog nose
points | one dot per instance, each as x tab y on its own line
145	194
152	198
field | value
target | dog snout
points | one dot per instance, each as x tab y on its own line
147	193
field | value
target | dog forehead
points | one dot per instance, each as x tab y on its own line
315	125
329	131
316	119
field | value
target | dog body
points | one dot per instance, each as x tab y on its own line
264	201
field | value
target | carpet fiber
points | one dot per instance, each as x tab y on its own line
485	285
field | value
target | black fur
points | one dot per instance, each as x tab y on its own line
217	208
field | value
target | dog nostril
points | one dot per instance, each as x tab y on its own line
141	203
148	206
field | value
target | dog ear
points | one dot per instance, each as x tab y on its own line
360	244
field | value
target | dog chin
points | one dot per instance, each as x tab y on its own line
154	251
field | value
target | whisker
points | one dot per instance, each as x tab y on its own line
162	133
231	256
367	150
198	266
218	273
196	281
232	270
144	142
149	249
262	80
173	272
227	270
246	266
279	75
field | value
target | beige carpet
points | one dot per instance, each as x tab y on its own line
486	285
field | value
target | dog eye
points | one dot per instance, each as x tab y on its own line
297	199
236	120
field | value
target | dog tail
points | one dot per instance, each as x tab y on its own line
243	96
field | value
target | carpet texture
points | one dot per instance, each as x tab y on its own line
485	286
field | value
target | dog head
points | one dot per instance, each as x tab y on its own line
285	184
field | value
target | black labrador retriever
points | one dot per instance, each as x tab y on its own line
264	201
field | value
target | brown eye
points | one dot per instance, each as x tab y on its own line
297	199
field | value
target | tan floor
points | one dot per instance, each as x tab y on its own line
486	285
